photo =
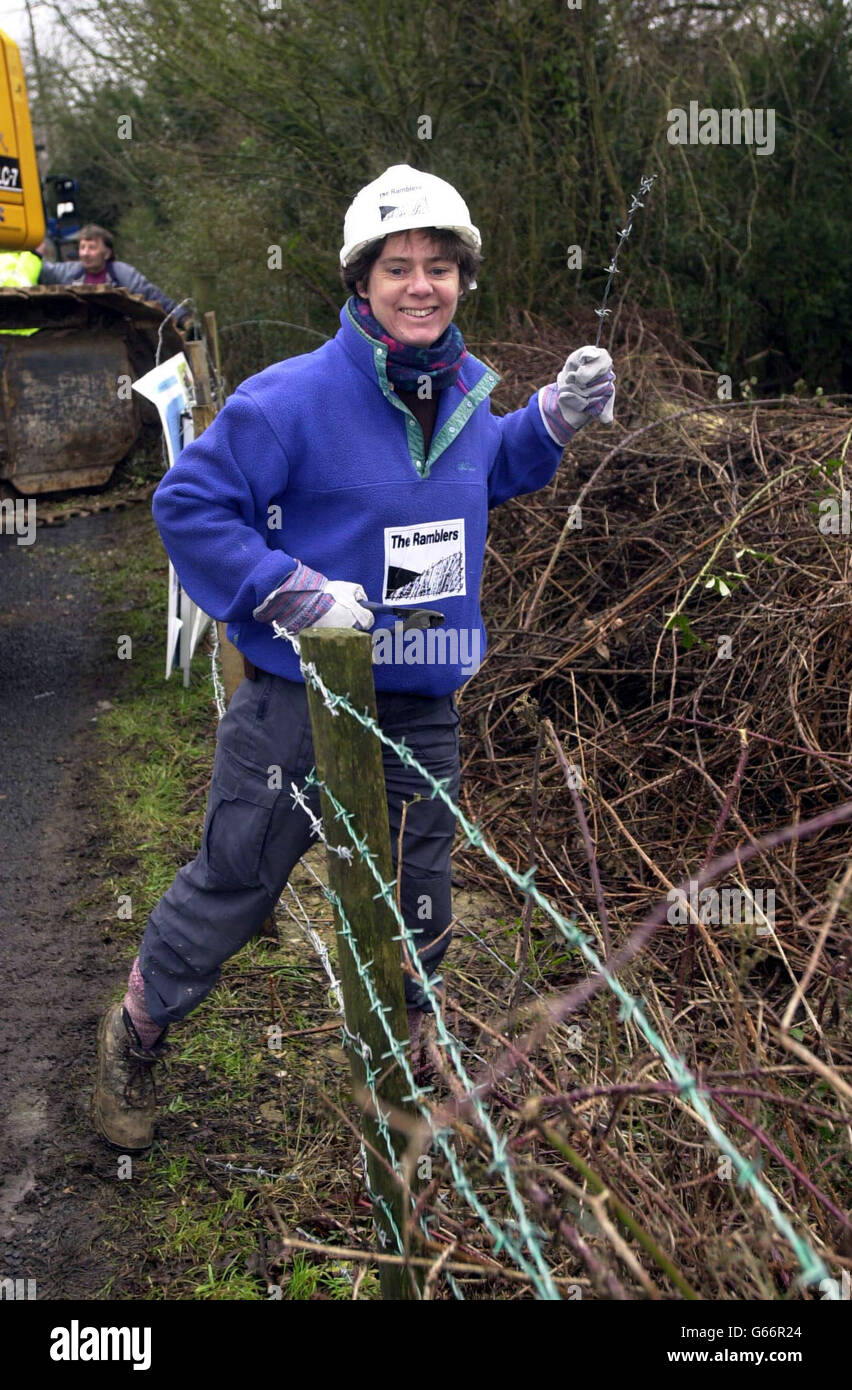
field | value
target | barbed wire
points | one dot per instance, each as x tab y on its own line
218	688
417	1094
348	1037
255	1172
531	1236
504	1238
812	1267
521	1239
645	186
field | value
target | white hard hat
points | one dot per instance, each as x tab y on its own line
402	198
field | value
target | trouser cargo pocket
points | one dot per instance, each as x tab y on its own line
239	815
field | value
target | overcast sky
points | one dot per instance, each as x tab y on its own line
13	21
13	18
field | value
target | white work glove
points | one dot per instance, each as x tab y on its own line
346	611
305	593
585	387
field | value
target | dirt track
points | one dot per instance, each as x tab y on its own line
56	970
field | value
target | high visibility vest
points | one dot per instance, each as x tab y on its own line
19	268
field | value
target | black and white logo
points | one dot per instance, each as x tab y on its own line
424	562
411	207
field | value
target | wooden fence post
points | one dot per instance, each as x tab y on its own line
204	285
233	671
349	759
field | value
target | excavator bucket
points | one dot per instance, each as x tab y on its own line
67	414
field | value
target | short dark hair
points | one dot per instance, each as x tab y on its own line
449	245
91	231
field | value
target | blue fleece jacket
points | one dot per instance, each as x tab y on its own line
316	459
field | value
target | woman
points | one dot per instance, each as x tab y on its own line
364	469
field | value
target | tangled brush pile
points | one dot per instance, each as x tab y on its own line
663	726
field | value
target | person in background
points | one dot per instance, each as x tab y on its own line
98	266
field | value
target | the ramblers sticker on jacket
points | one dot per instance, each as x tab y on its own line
423	562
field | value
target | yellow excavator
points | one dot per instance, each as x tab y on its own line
67	352
21	208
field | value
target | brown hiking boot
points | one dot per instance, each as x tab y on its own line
124	1104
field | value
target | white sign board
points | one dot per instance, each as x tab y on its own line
170	388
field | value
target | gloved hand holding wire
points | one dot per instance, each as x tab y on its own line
345	611
585	387
308	599
583	391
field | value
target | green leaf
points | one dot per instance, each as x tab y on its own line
687	636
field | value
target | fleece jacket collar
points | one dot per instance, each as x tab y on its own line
456	404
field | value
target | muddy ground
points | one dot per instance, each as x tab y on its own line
57	662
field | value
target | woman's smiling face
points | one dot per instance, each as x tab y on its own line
413	290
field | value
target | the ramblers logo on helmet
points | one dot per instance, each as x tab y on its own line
403	209
399	200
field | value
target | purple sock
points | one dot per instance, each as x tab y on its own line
415	1026
134	1003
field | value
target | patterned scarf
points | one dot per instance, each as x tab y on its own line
441	362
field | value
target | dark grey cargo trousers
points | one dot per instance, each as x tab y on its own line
254	835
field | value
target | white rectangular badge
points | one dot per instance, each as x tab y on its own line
424	562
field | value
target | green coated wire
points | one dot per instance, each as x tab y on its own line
362	1048
813	1268
541	1281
